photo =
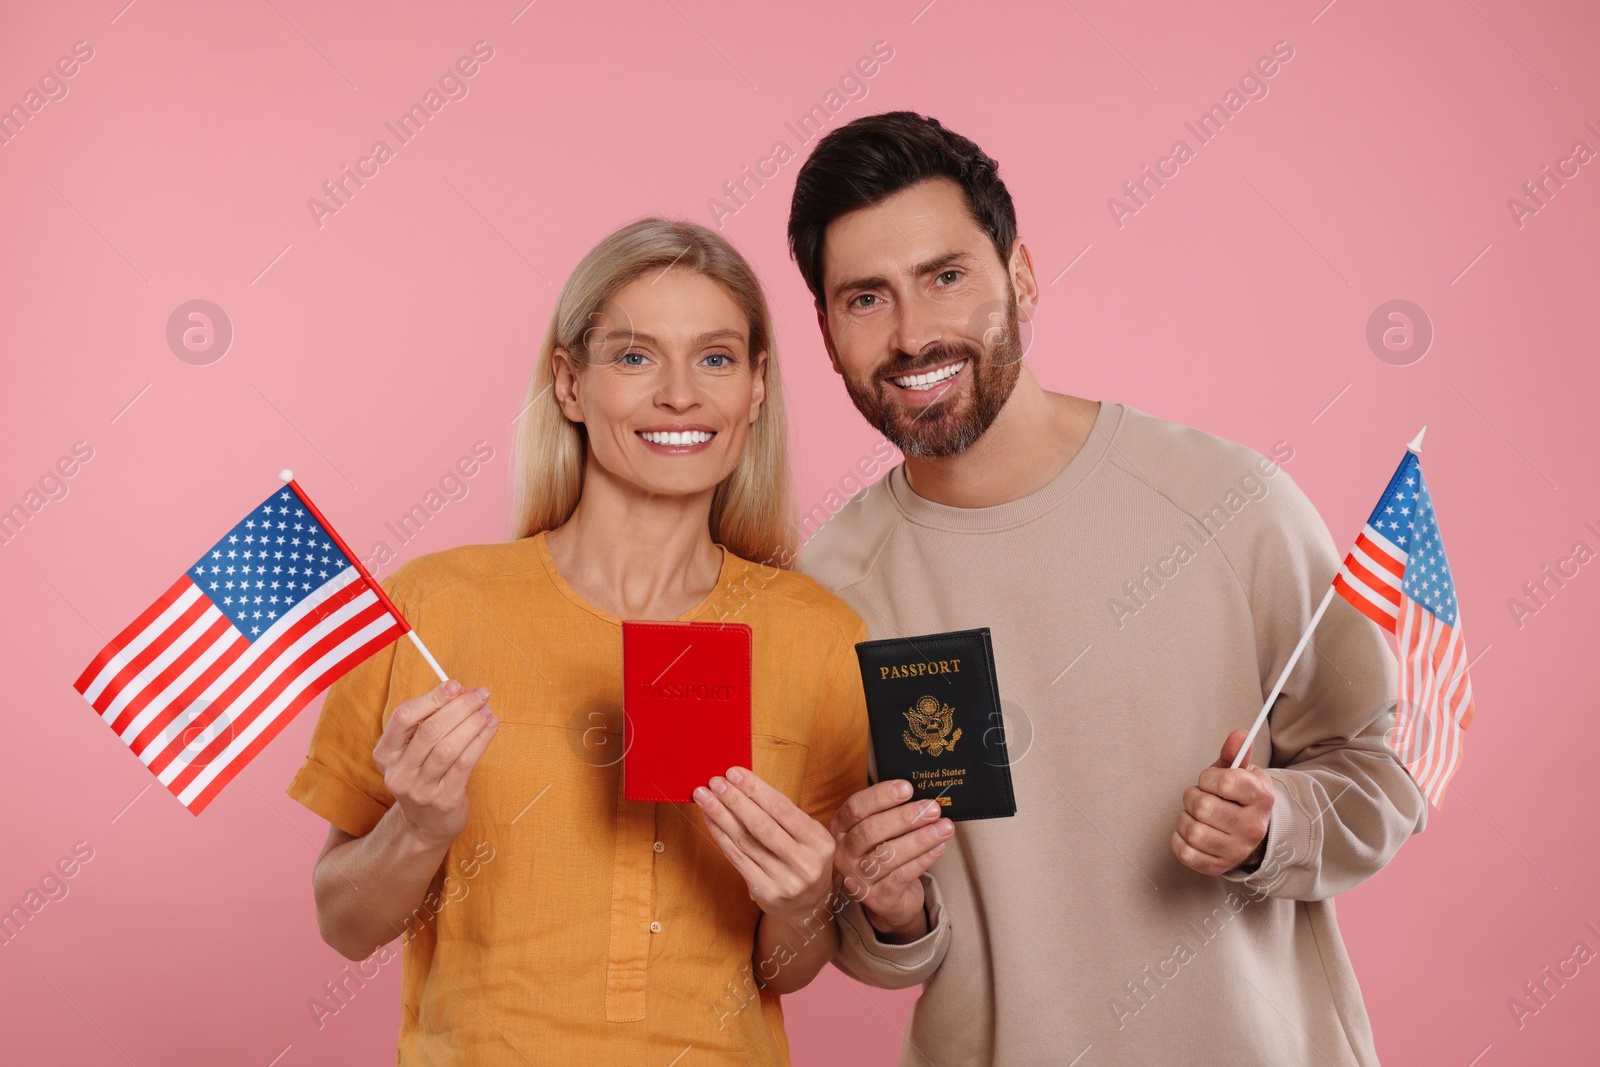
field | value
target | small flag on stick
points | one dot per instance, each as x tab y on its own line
1397	575
269	617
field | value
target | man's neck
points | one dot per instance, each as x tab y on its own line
1033	438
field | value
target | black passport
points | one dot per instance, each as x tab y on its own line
934	709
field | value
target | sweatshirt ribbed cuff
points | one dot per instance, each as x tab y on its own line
1291	839
920	957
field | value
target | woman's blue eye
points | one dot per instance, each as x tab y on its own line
726	360
626	356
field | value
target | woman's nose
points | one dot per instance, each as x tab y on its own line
678	391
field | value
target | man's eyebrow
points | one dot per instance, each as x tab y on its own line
927	266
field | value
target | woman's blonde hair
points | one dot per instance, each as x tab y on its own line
750	508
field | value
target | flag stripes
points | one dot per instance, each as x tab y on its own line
207	675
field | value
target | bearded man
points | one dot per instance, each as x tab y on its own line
1144	583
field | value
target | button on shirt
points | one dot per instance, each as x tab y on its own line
568	924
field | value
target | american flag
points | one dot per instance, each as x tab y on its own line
1398	576
268	618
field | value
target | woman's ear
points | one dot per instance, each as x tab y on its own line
758	387
565	384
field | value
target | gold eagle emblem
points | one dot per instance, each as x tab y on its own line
931	722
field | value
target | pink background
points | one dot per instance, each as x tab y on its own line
373	351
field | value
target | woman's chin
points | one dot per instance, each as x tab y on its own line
650	478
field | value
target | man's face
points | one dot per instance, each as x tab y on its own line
921	318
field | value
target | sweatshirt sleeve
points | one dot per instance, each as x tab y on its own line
887	966
1343	803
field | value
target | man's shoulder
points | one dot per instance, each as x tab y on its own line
843	550
1194	468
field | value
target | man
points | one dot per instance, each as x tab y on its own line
1145	583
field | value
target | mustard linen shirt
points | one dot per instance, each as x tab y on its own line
567	924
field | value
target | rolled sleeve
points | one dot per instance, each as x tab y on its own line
342	803
877	963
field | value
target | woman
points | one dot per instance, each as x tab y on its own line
545	918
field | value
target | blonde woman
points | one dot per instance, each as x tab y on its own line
545	918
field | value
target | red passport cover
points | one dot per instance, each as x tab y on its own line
685	704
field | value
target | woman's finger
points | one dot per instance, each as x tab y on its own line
397	732
754	817
785	812
454	781
755	877
436	726
444	754
721	816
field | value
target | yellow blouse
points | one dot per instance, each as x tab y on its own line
567	924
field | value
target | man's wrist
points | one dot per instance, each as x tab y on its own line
903	933
1253	861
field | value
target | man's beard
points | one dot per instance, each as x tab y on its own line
942	428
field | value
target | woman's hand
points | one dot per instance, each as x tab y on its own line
785	856
427	752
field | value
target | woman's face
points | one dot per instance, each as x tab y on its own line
670	388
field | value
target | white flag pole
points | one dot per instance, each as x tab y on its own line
1415	446
372	583
415	640
1305	639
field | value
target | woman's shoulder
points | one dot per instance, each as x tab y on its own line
799	597
419	578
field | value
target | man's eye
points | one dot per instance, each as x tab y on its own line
951	274
860	300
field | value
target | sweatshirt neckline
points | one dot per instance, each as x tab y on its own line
925	512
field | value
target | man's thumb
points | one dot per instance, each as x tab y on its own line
1230	749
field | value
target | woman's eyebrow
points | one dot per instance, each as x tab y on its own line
704	339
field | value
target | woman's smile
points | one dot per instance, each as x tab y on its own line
677	439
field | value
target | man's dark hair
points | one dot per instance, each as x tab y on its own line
877	156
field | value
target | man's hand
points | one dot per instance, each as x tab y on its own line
785	856
1225	817
427	752
884	845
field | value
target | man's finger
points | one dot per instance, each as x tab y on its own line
887	825
1212	810
1201	837
870	801
910	869
1241	786
1193	858
876	863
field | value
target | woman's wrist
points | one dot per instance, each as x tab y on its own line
821	910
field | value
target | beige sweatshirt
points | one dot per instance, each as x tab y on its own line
1142	604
